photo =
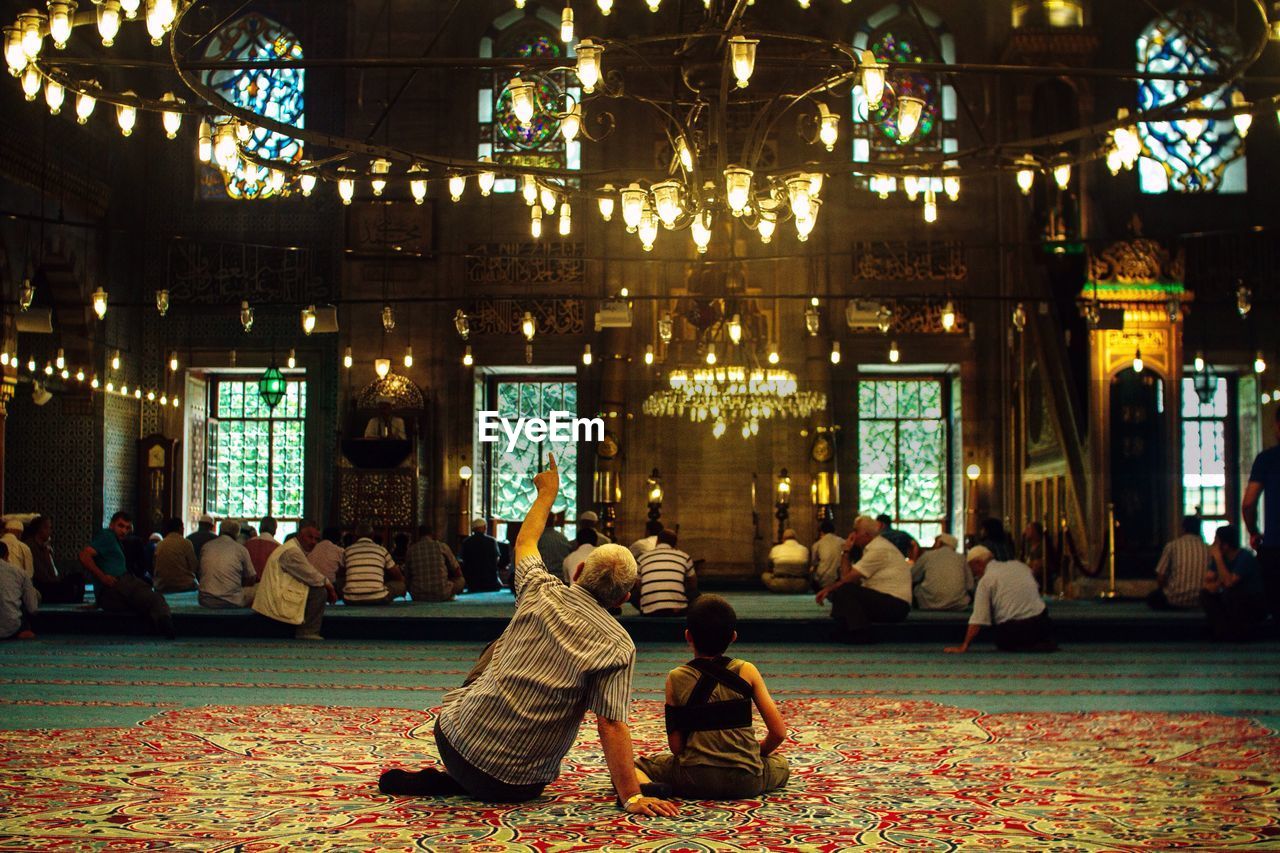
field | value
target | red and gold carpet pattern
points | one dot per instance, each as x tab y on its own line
865	773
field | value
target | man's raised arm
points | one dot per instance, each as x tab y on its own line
548	485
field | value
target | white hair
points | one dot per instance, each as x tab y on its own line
979	553
866	524
608	573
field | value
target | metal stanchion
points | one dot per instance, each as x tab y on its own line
1064	563
1110	591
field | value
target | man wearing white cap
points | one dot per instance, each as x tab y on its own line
203	534
19	554
590	521
1007	598
941	577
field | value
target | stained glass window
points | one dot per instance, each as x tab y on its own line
511	474
1204	453
256	455
276	92
531	32
1190	155
902	454
897	33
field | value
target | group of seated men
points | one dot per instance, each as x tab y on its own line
1223	579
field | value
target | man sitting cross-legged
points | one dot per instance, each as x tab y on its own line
504	732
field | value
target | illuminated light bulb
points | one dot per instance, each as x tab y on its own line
633	198
1026	179
737	182
79	374
605	6
1115	161
467	360
14	56
60	15
246	316
648	354
346	188
711	354
909	111
164	399
108	21
566	222
1138	364
64	373
124	389
380	168
32	39
4	358
873	79
171	120
666	327
1126	141
930	206
828	127
382	366
804	226
388	319
173	361
126	116
54	96
700	231
586	355
307	183
156	27
1062	175
130	8
535	221
151	396
137	393
100	303
225	150
527	326
894	355
308	319
61	359
275	180
835	352
605	203
529	188
418	183
548	199
292	360
1259	363
174	401
31	365
115	360
486	178
464	473
774	358
1199	362
951	186
589	63
684	154
347	358
110	386
735	329
1243	120
522	99
766	226
798	196
1019	317
653	5
566	24
457	183
204	141
719	428
911	186
648	228
31	82
94	383
1244	301
666	199
408	357
742	53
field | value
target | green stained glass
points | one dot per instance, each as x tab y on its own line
1204	453
902	453
256	455
512	483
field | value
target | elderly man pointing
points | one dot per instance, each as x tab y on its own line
504	732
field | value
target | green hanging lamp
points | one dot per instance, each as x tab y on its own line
271	386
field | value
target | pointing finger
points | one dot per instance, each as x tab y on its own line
551	458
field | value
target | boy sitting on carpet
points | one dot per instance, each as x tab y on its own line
714	754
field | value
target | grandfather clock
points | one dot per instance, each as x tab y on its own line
158	482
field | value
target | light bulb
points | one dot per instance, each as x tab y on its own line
735	329
828	127
530	190
31	82
108	21
894	355
835	352
61	359
633	198
380	168
307	183
1244	301
766	226
32	39
347	358
94	383
100	303
467	360
204	141
566	24
951	186
548	199
115	360
606	6
742	53
84	108
1199	363
804	225
173	361
812	320
1062	175
774	358
1026	179
798	196
1138	364
566	222
909	111
949	316
930	206
711	354
408	356
666	198
605	203
666	327
382	366
225	150
527	326
308	319
586	355
14	56
171	119
648	354
522	99
1243	120
1259	363
719	428
388	318
1019	317
535	221
737	180
486	178
418	182
701	232
684	154
292	360
54	95
346	187
648	228
457	183
246	316
589	63
60	15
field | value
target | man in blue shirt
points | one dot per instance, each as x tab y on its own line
1232	595
1265	478
114	588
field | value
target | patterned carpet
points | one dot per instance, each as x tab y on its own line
865	773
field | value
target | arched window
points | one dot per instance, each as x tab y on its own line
1192	155
528	32
276	92
901	33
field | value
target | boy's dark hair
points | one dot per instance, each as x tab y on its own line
711	622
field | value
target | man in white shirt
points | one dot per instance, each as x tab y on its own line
665	582
789	564
827	553
877	588
1007	598
651	530
942	578
19	554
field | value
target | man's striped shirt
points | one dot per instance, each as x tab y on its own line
1183	564
662	572
561	655
365	564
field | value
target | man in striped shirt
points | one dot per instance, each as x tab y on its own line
666	582
504	732
1180	572
369	575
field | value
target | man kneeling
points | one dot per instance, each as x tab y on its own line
504	732
1007	598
